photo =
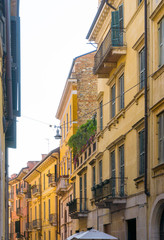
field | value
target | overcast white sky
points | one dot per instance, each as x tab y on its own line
52	34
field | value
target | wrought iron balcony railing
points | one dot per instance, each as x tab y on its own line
19	211
78	207
53	219
62	184
29	226
36	223
28	195
110	188
19	192
52	180
114	38
36	190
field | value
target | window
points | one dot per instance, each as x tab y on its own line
121	158
70	162
81	193
74	190
142	67
49	207
113	172
141	152
85	191
121	88
67	122
35	212
48	177
93	176
161	137
64	128
49	234
100	171
44	181
44	210
161	42
117	25
101	115
70	115
44	235
113	100
55	172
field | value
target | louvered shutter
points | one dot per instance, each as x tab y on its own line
115	28
10	135
15	53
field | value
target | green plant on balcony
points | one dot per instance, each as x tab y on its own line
84	136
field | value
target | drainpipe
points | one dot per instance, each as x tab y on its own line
8	61
40	204
146	111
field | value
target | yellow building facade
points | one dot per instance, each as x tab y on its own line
43	217
78	99
134	205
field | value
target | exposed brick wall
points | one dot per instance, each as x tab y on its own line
86	87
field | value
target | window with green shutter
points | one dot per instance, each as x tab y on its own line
113	173
142	67
113	100
161	42
121	88
85	191
15	54
141	152
100	171
117	26
81	193
121	156
101	115
161	137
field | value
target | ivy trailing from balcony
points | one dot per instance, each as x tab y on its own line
82	138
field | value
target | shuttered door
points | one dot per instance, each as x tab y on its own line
15	53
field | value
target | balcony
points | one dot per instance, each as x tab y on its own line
112	192
52	180
11	196
29	226
78	208
19	192
36	190
62	184
111	49
36	224
53	219
28	195
19	212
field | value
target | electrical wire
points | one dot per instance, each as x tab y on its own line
86	114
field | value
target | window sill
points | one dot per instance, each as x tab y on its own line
158	170
139	95
138	180
115	119
159	72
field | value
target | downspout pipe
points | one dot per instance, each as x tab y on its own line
146	107
8	61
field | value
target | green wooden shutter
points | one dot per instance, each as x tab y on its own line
121	25
15	53
115	28
10	136
17	226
